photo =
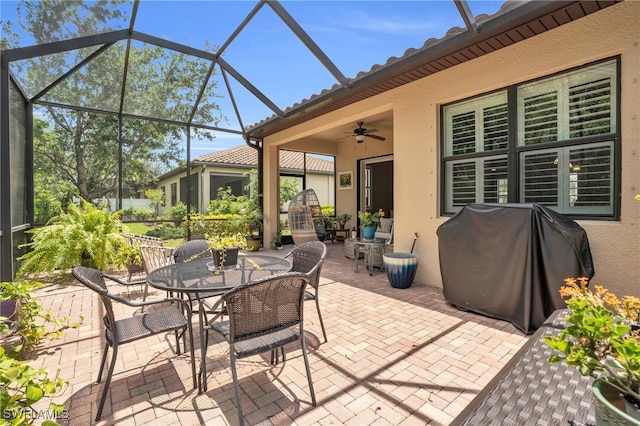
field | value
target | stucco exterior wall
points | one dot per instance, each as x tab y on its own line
615	245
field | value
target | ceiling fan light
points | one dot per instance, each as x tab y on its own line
360	138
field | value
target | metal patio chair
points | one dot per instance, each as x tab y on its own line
153	257
264	315
191	250
168	317
308	259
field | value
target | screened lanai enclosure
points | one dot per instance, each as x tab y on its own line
113	101
116	107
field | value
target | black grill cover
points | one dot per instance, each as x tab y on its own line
508	261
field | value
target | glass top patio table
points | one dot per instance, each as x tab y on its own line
200	277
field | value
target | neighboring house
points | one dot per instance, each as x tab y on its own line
231	167
543	111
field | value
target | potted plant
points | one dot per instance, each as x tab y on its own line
254	230
343	219
225	248
601	342
369	223
276	240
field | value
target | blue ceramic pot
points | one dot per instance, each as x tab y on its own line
400	268
369	232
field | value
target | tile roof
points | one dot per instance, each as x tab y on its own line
516	20
244	155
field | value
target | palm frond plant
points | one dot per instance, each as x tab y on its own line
83	235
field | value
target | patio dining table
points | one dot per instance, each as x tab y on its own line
200	277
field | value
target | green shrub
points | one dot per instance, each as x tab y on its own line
136	213
179	211
21	385
166	231
30	318
81	236
221	224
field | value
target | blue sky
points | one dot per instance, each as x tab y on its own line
355	35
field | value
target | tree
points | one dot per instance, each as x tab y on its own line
82	148
157	199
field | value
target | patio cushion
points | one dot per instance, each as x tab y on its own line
385	224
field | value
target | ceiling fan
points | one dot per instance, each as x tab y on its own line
361	133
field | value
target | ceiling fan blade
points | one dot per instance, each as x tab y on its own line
350	135
380	138
372	130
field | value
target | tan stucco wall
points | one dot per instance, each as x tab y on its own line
615	245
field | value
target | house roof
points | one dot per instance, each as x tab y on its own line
516	21
513	23
244	156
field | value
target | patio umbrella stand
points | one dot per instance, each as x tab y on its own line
401	267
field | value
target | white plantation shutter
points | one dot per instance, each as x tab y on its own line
570	106
590	109
482	180
477	125
572	180
564	142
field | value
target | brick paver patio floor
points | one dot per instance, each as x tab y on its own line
393	357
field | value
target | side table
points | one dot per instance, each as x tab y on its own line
342	234
369	248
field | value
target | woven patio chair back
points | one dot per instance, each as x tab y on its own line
264	315
153	257
194	249
166	316
308	258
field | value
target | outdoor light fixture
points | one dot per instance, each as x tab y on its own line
360	138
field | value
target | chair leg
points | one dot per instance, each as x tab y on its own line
306	364
107	382
145	294
192	350
104	360
324	333
236	387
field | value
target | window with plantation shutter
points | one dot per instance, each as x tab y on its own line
563	138
482	180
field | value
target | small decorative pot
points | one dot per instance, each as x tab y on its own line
369	232
225	257
400	268
610	407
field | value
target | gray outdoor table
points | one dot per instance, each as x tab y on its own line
199	277
368	247
530	391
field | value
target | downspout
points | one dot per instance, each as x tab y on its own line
257	145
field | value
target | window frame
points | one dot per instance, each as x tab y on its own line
515	151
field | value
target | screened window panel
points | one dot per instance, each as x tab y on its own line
462	179
237	183
463	139
540	178
569	106
174	194
477	125
540	118
18	150
495	180
572	180
590	108
592	168
496	127
193	181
